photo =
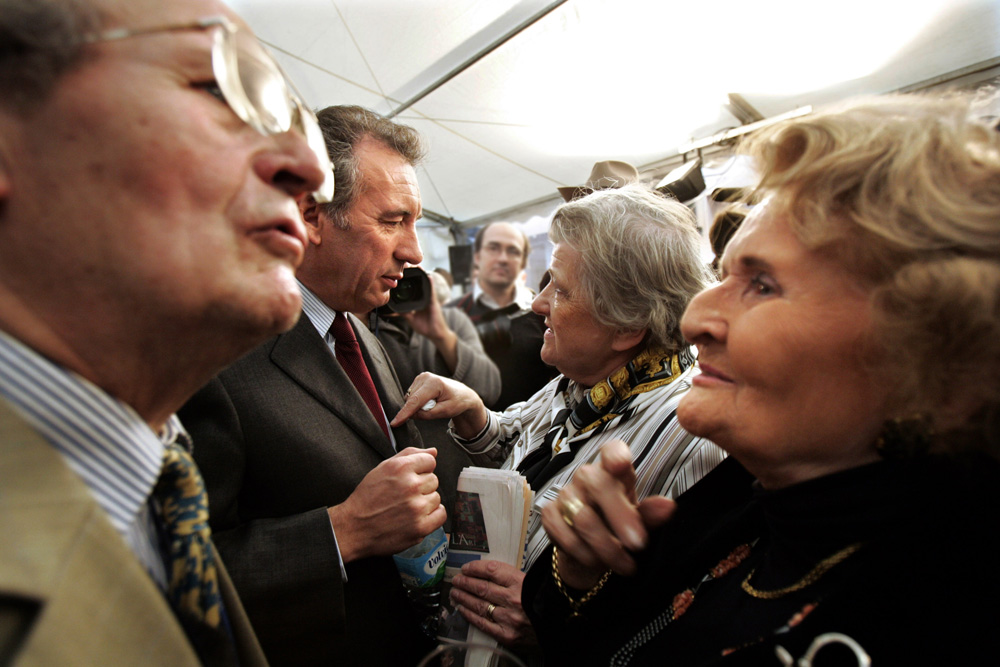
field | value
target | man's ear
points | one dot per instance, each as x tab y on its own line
313	217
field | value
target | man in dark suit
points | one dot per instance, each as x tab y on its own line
311	492
149	234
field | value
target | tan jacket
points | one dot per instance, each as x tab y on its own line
71	591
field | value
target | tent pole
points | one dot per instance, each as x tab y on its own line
475	57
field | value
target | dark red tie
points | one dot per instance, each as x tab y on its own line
348	353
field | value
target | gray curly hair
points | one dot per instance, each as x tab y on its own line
640	259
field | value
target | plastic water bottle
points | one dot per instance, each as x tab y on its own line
422	570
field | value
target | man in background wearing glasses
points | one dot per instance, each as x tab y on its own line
149	233
500	307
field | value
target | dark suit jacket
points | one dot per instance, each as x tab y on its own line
280	436
71	591
411	355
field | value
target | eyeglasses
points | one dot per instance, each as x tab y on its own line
496	249
253	85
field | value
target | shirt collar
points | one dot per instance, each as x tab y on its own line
320	314
522	296
102	439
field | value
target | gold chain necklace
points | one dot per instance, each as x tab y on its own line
811	577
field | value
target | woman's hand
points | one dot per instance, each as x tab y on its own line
488	594
434	397
596	520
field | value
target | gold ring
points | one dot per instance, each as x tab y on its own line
569	509
489	612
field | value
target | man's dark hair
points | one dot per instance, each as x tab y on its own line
40	40
477	244
344	127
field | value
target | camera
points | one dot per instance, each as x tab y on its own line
412	292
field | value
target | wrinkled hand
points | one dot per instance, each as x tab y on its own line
491	582
393	507
607	522
452	399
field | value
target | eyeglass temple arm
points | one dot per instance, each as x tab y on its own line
116	34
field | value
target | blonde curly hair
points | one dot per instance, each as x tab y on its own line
904	190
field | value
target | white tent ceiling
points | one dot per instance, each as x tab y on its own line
591	80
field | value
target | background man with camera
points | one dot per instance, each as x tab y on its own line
311	492
500	307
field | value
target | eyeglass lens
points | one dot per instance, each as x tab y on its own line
261	96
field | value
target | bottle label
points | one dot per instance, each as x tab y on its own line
423	565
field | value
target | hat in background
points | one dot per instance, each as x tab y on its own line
605	175
685	182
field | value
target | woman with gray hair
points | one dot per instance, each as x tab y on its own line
850	365
625	265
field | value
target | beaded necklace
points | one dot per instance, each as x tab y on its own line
679	605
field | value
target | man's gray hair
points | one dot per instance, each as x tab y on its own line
344	127
40	40
640	259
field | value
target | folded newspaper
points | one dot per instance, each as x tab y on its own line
489	522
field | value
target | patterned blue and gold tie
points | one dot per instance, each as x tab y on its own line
193	579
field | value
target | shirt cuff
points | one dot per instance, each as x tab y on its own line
340	557
484	441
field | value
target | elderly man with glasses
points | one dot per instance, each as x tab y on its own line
152	156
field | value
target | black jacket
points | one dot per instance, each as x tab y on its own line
921	590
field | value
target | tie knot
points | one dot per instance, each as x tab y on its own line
181	490
342	330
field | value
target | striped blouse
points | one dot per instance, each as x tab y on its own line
668	459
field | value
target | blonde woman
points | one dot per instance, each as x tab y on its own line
850	365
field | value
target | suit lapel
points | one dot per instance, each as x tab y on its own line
387	384
304	356
380	369
59	549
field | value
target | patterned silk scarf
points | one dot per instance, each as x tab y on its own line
601	404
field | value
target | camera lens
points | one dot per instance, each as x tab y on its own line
404	291
412	292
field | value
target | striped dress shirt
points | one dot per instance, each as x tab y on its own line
668	459
103	440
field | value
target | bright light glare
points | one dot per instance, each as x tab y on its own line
684	57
